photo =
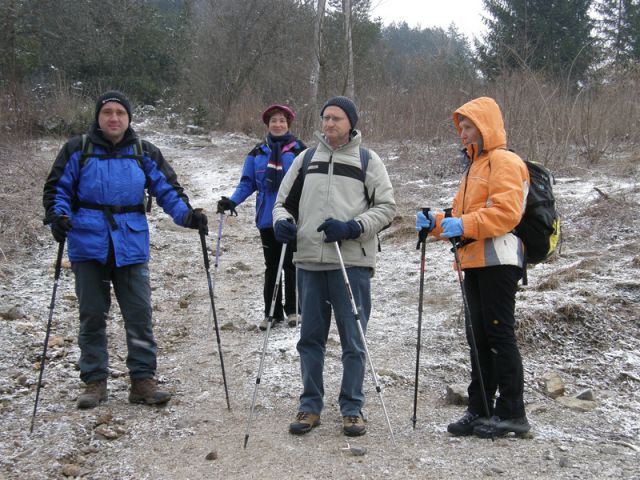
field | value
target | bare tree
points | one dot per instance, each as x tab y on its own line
314	79
350	80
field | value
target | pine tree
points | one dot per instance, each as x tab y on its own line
553	36
619	27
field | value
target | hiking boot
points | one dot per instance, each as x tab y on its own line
292	320
499	427
145	390
264	323
465	426
94	393
353	425
304	423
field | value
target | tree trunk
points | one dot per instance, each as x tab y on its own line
314	79
350	83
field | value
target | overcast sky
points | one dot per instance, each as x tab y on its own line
466	14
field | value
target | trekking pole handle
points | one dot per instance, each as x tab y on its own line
422	234
447	214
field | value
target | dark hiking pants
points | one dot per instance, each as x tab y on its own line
491	293
133	293
272	250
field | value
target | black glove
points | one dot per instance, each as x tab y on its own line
198	221
335	230
226	204
60	226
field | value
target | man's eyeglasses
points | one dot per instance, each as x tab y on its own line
331	118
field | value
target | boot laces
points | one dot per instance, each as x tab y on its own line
355	419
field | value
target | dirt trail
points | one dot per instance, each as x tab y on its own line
174	442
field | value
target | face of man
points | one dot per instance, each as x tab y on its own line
469	133
278	125
335	126
113	121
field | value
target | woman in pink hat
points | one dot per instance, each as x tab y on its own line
264	168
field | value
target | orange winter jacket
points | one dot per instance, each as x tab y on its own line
492	194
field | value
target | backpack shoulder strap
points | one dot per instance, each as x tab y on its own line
306	160
87	149
365	156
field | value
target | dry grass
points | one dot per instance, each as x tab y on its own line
24	172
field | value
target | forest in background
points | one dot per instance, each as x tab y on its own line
565	72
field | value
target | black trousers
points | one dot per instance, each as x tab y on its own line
272	250
491	294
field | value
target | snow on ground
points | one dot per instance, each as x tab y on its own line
578	317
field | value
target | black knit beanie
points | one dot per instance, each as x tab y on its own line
346	105
113	96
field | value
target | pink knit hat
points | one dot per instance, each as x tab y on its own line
287	111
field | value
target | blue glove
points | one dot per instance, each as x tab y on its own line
285	231
424	221
451	227
335	230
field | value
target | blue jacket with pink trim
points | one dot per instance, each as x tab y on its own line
254	179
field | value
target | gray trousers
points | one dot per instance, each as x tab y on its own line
133	293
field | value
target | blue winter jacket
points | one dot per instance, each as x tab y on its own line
111	177
253	178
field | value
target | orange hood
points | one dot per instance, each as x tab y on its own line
485	114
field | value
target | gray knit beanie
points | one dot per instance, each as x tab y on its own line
347	105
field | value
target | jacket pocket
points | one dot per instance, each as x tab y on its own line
134	243
88	238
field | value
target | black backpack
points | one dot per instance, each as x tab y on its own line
539	228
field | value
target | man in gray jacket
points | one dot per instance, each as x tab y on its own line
333	201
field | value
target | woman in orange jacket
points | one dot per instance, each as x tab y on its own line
490	202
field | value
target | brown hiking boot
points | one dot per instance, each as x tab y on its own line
353	425
94	393
304	423
145	390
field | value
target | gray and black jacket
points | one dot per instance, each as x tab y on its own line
333	188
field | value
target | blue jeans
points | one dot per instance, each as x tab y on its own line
320	291
133	292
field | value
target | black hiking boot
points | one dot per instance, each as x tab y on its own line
304	423
94	393
145	390
499	427
465	426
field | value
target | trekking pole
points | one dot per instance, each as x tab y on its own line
56	278
467	319
297	301
422	241
356	315
266	340
215	318
220	222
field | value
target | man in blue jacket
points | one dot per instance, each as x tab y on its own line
94	197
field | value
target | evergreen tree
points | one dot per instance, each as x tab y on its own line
552	36
619	27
